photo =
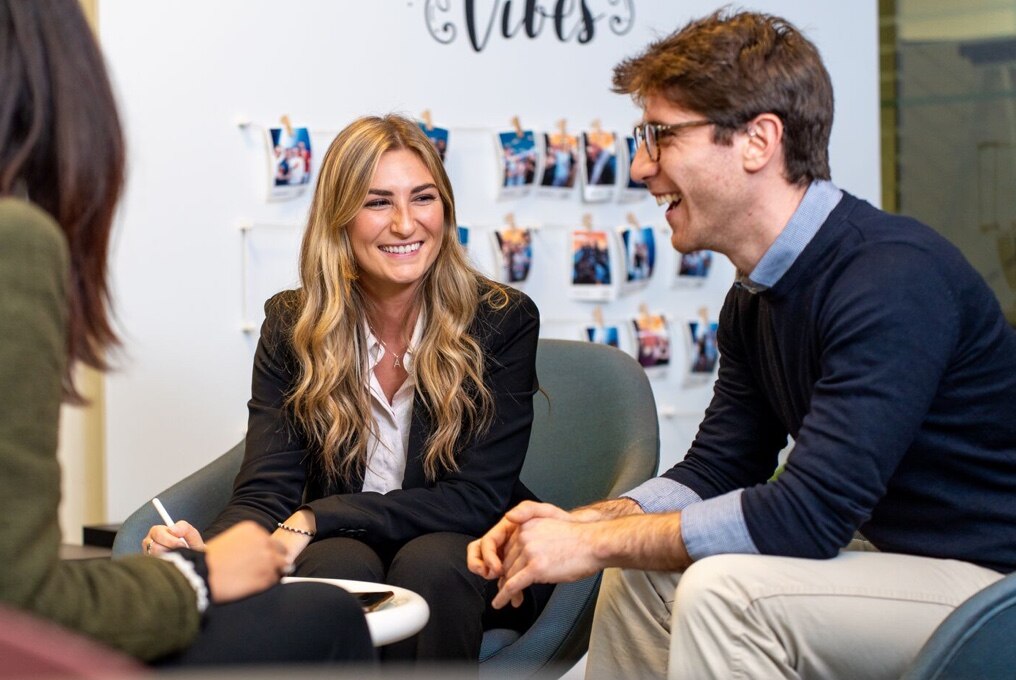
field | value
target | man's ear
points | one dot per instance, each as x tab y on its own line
763	142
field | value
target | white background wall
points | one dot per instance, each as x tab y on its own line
185	71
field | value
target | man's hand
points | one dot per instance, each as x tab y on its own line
242	561
483	556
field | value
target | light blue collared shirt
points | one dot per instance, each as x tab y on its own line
717	525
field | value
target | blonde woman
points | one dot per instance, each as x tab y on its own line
392	393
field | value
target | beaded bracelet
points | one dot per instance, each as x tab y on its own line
297	531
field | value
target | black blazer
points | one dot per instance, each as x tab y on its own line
280	473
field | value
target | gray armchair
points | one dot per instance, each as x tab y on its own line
595	435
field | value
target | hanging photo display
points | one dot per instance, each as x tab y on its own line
629	190
289	162
598	156
437	136
560	164
518	161
603	335
591	275
639	255
653	342
693	268
514	252
463	233
703	353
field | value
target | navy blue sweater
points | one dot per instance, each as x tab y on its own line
887	358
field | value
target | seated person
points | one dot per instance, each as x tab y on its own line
392	393
61	171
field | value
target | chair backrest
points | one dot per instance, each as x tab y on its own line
595	429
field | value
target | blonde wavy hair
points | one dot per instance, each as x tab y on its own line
330	401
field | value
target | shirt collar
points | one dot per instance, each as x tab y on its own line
375	350
819	200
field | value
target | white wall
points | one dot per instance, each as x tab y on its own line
186	70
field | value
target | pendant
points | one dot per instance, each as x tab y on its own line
397	362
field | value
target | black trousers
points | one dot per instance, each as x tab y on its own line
287	624
433	565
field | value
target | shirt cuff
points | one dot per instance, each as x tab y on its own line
192	565
661	494
716	526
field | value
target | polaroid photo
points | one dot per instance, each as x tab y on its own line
514	253
598	165
693	268
652	338
639	256
463	234
603	335
592	277
289	162
517	156
437	136
703	354
628	190
560	165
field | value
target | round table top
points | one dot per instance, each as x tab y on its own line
397	619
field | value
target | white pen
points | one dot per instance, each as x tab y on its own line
166	518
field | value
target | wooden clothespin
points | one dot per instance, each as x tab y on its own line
703	313
509	219
587	220
518	126
634	221
428	122
287	125
595	126
644	315
598	316
562	127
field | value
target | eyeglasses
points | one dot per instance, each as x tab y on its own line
650	134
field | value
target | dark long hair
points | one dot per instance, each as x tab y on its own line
60	141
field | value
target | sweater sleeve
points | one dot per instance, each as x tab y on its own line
140	605
887	328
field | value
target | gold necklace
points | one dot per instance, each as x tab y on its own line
398	357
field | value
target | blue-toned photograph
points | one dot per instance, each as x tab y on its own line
639	253
438	137
696	264
632	184
603	335
519	158
704	351
291	156
463	236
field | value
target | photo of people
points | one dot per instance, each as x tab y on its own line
639	253
599	165
560	162
653	340
518	162
438	137
290	162
604	335
693	268
704	353
591	277
516	252
628	189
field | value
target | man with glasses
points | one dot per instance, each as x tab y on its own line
864	336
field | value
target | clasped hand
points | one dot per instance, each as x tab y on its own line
533	543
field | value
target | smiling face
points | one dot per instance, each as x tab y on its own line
700	182
397	234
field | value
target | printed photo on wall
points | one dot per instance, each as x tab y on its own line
603	335
653	342
437	136
518	161
703	354
514	254
560	164
639	255
629	190
463	236
598	155
591	276
289	162
693	268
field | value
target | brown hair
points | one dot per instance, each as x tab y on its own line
731	67
328	400
60	141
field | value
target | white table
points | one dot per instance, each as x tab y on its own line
397	619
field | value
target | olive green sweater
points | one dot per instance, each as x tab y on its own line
141	605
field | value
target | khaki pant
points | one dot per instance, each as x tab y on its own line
863	614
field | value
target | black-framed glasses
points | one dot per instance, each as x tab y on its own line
651	133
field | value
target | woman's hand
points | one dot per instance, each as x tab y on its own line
242	561
295	541
161	538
